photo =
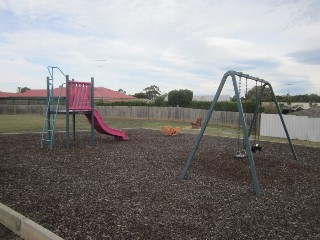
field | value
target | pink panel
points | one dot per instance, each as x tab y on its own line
79	95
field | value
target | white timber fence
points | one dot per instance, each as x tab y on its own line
299	127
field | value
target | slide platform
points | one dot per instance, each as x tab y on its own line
103	128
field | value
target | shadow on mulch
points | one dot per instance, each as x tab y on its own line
133	189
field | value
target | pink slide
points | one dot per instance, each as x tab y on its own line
103	128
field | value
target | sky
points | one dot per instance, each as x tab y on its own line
173	44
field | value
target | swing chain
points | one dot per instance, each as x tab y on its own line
238	142
241	152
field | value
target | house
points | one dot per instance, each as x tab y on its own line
313	112
209	98
100	93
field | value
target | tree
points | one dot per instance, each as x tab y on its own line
254	92
160	100
22	89
152	92
140	95
121	91
182	97
266	97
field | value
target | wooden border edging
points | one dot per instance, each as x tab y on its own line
24	227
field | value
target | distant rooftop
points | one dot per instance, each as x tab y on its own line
313	112
209	98
99	93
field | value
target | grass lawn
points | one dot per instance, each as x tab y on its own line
34	123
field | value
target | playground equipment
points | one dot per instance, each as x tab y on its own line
246	132
171	131
79	99
196	124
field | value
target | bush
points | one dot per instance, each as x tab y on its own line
160	102
248	106
181	98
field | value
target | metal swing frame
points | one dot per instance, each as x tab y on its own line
246	133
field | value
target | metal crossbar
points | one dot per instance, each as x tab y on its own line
247	76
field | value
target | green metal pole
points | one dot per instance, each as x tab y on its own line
245	133
67	111
282	121
246	138
49	108
74	126
92	111
203	128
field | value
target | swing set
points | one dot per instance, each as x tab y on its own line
247	151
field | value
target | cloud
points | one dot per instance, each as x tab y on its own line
170	43
311	56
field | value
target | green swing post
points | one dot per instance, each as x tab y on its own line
282	121
246	138
203	128
279	113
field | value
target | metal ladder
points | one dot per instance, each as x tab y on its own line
49	125
48	128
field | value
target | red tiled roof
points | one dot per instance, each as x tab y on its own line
99	92
6	94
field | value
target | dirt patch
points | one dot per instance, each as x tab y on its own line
133	189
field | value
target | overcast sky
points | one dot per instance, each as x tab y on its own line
174	44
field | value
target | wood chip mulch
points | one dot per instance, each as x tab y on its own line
133	189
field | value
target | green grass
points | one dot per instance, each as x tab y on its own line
33	123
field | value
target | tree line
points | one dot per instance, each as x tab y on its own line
183	98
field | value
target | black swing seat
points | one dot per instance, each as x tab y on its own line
255	147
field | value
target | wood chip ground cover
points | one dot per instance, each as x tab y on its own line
133	189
